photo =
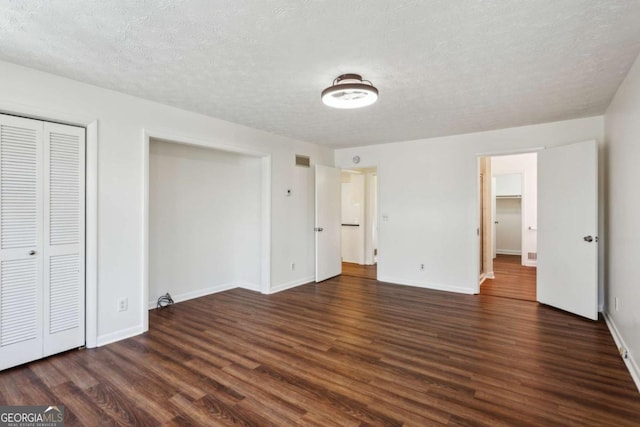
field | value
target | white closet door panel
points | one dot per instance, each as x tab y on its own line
65	285
21	228
19	153
64	186
64	281
20	312
19	291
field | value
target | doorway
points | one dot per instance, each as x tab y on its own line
199	196
204	205
508	218
359	227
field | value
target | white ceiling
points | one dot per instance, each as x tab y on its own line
442	67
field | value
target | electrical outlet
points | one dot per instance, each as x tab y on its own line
123	304
623	352
616	305
293	266
422	267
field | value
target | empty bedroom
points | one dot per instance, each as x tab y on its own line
320	213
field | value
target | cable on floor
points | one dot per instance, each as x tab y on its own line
164	301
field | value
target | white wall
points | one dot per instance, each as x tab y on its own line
204	221
509	227
527	165
353	212
121	120
427	189
622	130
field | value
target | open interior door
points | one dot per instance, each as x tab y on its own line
568	228
327	227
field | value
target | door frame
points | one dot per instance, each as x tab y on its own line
370	218
265	223
476	246
377	210
523	202
368	173
90	124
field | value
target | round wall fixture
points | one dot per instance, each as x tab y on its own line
350	91
356	159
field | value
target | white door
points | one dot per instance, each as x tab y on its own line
21	232
328	226
64	184
41	239
567	276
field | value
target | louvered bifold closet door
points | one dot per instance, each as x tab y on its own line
64	228
21	234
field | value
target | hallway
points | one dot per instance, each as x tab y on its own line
512	280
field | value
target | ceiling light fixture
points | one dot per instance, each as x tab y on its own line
350	91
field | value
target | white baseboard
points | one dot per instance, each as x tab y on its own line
632	366
199	293
427	285
530	263
284	286
488	275
485	276
248	286
508	252
119	335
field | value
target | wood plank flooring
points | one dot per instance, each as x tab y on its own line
358	270
512	279
345	352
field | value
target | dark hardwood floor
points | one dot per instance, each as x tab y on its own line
357	270
346	352
512	279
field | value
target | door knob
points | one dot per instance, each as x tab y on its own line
588	238
318	229
32	252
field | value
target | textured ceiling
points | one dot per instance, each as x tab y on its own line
442	67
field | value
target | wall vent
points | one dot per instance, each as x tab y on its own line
303	161
532	256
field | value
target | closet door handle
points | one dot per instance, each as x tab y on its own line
32	252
